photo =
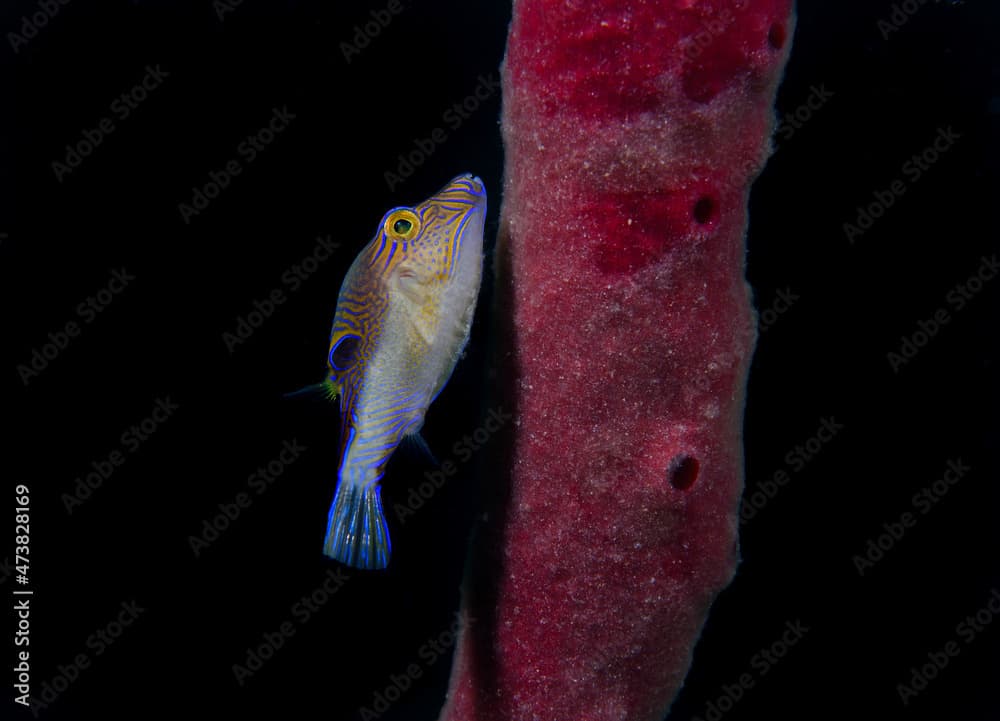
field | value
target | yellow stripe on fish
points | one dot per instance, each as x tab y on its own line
402	320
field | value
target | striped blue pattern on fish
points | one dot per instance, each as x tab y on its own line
403	318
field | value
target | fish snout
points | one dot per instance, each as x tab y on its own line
466	186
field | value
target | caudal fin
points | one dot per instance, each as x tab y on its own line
356	533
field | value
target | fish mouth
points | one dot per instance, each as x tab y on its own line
457	212
463	198
467	187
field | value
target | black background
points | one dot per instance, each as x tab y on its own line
162	337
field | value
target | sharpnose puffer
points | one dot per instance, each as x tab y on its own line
402	320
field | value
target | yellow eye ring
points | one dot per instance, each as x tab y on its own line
402	224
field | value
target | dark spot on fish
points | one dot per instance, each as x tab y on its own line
342	354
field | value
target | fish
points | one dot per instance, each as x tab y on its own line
402	321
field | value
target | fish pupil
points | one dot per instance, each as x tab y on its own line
402	226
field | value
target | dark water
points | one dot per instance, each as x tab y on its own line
168	285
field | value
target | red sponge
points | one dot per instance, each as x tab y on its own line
633	130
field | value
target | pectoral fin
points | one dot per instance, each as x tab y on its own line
327	390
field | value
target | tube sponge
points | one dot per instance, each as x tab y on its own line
632	133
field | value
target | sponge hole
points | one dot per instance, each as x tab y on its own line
704	209
776	36
683	472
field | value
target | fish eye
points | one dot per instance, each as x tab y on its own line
402	224
343	352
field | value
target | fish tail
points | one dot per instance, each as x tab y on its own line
356	533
